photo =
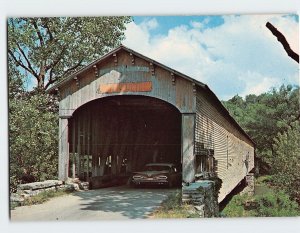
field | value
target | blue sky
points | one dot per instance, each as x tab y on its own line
233	54
165	23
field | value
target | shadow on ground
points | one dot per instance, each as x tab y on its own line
129	202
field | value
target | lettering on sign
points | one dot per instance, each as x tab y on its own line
125	87
125	69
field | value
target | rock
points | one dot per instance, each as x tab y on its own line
202	196
74	184
84	185
16	198
39	185
199	208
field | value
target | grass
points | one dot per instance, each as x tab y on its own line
266	202
41	198
172	207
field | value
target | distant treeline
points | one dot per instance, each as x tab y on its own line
272	120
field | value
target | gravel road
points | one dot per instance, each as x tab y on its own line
101	204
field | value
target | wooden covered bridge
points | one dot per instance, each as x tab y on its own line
125	110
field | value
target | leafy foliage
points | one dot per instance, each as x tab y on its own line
286	161
266	115
235	208
33	130
271	204
272	120
276	205
48	49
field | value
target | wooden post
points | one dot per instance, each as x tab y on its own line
84	142
93	150
188	157
73	148
88	145
63	166
78	147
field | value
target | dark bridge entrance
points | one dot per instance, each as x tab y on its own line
120	134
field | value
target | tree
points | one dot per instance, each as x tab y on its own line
48	49
266	115
33	130
286	161
15	81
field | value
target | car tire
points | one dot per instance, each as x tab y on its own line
170	184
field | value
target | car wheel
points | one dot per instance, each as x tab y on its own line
170	184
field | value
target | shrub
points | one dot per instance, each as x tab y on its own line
276	204
272	204
33	142
236	207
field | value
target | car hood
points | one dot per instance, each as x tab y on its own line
151	173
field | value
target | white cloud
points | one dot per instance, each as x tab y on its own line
150	24
240	56
257	83
196	24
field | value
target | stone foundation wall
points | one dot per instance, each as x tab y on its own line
25	191
250	185
202	195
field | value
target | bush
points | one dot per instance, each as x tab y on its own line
236	207
272	204
33	140
286	164
276	205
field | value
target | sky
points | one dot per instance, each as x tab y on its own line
232	54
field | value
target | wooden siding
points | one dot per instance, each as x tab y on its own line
233	152
76	93
205	129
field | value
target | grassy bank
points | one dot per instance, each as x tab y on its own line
266	202
172	207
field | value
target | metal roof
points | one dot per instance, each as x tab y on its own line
122	47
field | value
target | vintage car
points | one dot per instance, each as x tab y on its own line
166	174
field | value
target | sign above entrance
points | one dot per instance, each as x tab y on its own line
124	69
125	87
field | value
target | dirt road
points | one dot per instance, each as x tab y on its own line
102	204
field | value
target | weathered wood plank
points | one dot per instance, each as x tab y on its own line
63	168
188	163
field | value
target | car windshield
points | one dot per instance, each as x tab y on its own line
156	168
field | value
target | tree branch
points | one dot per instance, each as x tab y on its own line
281	38
73	67
48	30
38	32
18	62
54	63
51	80
27	60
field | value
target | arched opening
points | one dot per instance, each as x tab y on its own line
117	135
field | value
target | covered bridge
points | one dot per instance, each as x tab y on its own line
125	110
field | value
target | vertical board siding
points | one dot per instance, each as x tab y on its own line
179	94
215	131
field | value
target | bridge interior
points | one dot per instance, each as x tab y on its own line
120	134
